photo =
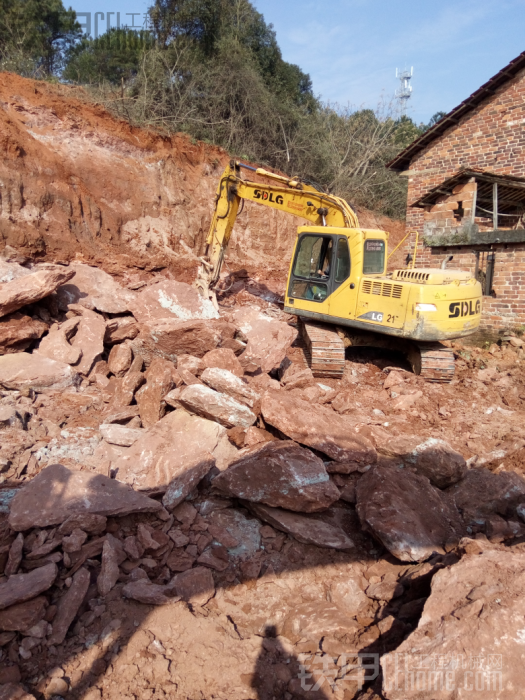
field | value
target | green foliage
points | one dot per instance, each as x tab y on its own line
113	57
36	36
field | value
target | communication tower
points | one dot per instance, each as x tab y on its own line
404	93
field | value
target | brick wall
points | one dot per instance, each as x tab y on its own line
492	138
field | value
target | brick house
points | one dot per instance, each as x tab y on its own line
466	194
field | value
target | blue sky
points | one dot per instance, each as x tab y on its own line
351	48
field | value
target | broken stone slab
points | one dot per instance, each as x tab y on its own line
169	337
120	358
56	344
244	529
72	493
317	427
304	528
68	606
18	331
431	457
90	339
412	518
119	329
88	522
193	365
93	288
22	616
225	382
280	474
143	591
22	587
215	557
159	381
25	371
15	556
122	415
172	457
314	620
11	270
125	389
475	612
195	586
223	358
33	287
171	299
495	457
117	434
215	406
112	555
348	595
268	339
481	494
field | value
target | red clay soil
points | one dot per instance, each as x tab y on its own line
79	184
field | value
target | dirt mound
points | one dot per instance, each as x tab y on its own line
77	183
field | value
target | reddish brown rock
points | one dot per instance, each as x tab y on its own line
56	344
171	457
87	522
73	493
10	674
95	289
406	513
193	365
90	339
254	436
348	595
227	383
179	560
309	530
13	691
279	474
148	593
68	606
195	586
215	557
474	614
315	620
119	360
482	494
215	406
394	379
432	458
119	329
223	358
268	339
22	587
171	299
74	541
317	427
125	389
25	371
18	331
15	556
112	555
170	338
120	435
159	381
33	287
21	617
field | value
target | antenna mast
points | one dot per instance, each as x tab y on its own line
404	93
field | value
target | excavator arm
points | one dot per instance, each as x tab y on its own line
287	194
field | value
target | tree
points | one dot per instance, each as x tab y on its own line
36	35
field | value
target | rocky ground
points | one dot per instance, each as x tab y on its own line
185	511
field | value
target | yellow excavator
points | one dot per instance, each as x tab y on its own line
338	284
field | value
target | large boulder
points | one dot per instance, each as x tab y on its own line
306	529
18	331
170	337
432	457
95	289
171	457
406	513
469	640
24	371
317	427
482	494
280	474
30	288
174	300
57	493
211	404
268	339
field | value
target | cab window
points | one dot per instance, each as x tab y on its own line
374	257
314	257
342	261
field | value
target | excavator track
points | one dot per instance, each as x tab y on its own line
325	350
435	362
